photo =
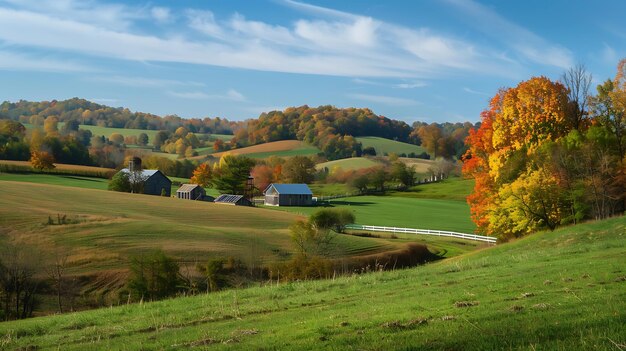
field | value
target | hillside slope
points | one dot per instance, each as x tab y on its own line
556	290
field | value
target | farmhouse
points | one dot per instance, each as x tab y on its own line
288	195
154	182
234	200
193	192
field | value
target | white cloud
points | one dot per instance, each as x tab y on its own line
161	14
193	95
524	42
411	85
385	100
342	45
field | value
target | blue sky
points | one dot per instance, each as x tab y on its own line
410	60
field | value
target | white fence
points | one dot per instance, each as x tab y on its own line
375	228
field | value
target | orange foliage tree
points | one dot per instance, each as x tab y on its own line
202	175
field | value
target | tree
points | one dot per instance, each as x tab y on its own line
142	139
202	175
42	160
402	173
378	178
218	145
577	81
116	138
153	276
120	182
360	182
214	273
263	176
159	139
18	285
370	150
299	169
231	174
309	240
335	219
51	126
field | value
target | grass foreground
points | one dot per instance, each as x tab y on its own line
561	290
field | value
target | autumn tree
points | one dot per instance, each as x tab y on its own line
42	160
51	126
202	175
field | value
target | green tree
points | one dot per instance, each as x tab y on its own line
120	182
153	276
231	174
299	169
332	218
214	273
142	139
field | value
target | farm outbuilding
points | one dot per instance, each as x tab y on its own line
193	192
235	200
154	182
288	195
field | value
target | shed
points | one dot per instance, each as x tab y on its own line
288	195
235	200
153	181
191	192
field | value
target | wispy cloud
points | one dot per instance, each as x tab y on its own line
193	95
231	95
385	100
161	14
525	43
144	82
411	85
331	43
44	63
475	92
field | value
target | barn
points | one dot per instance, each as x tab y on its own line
154	182
233	200
193	192
288	195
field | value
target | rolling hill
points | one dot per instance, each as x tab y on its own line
283	148
561	290
346	164
385	146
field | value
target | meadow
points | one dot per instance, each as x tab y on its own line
348	164
283	148
386	146
561	290
395	211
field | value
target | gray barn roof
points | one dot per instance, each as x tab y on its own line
227	198
290	189
186	188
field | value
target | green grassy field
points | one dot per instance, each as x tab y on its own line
282	148
383	146
561	290
393	211
353	163
450	189
112	226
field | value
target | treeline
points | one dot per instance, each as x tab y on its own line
89	113
331	129
549	153
44	147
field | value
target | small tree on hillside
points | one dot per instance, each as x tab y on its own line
202	175
153	276
120	182
299	169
